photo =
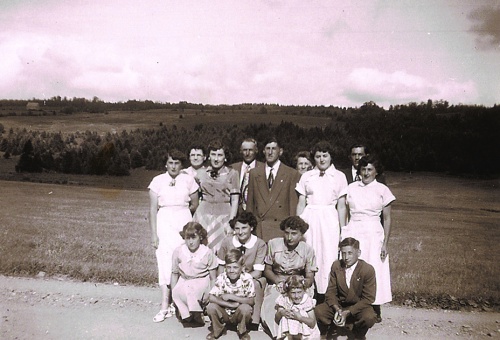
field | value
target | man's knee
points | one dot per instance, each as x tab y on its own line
367	317
324	313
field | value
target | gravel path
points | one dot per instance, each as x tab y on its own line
38	308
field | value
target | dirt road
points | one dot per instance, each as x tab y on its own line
35	308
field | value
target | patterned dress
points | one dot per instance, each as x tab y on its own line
365	203
295	327
214	209
173	214
284	262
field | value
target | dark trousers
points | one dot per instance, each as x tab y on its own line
362	321
219	317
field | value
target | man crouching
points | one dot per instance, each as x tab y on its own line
350	293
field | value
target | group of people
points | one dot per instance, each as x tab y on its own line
258	243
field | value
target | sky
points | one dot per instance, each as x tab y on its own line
291	52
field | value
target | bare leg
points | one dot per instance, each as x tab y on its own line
165	297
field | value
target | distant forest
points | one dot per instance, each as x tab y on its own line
429	136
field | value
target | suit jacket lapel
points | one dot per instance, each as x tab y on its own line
355	277
278	184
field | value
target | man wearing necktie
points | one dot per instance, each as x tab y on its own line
271	192
351	291
356	152
248	151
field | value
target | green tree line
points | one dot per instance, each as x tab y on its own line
430	136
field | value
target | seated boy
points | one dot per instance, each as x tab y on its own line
231	298
350	293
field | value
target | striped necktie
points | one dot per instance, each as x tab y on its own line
270	179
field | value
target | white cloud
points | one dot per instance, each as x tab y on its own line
366	84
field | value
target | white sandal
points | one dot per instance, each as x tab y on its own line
162	315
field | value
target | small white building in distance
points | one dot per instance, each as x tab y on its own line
33	106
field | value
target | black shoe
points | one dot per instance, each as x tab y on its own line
378	319
254	327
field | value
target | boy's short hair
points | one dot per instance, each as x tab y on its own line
234	256
349	242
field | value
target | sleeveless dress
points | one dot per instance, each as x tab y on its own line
365	204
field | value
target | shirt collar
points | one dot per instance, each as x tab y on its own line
250	243
251	165
330	171
275	167
352	268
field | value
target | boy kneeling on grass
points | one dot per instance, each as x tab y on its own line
231	298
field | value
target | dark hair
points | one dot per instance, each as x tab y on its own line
217	145
191	229
176	155
197	147
349	242
245	217
304	154
294	223
365	160
272	139
294	281
322	146
357	145
234	256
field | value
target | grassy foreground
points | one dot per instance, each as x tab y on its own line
443	247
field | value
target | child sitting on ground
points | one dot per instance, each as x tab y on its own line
231	298
193	273
295	311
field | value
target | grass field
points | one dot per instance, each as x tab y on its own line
117	121
443	249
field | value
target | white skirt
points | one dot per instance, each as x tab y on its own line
323	236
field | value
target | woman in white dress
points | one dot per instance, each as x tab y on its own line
366	200
173	199
322	205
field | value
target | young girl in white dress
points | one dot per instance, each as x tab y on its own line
194	269
295	311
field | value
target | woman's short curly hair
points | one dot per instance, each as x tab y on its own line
369	159
191	229
245	217
294	223
322	146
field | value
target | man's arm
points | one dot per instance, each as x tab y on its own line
331	295
293	195
369	289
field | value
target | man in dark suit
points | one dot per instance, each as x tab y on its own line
350	293
356	152
271	192
248	150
